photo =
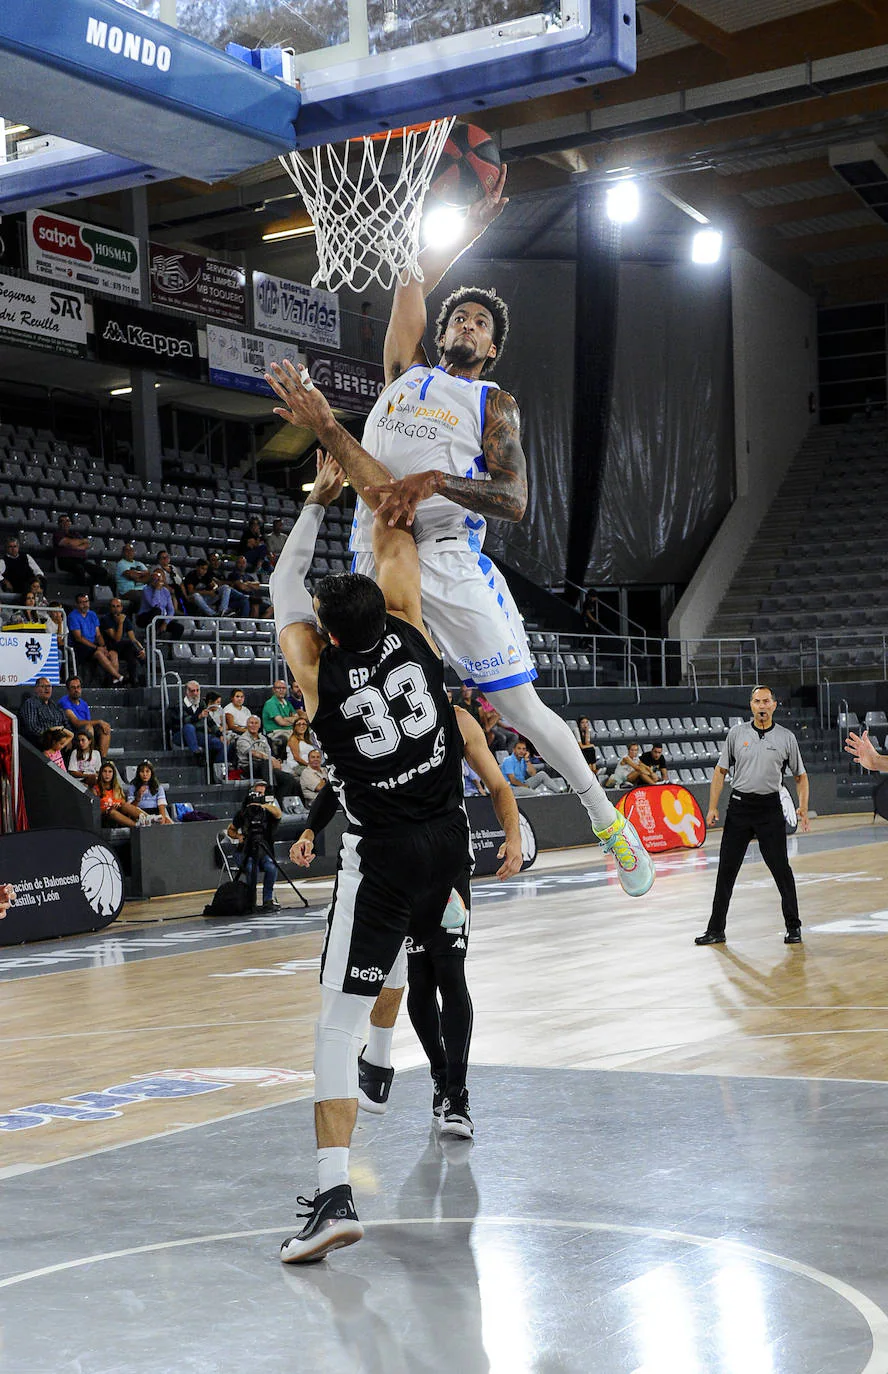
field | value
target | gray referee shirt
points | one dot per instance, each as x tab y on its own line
758	758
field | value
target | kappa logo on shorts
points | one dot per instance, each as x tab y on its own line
367	975
459	944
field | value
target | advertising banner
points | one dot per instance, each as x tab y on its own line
26	655
143	338
488	835
66	881
298	311
347	383
666	817
206	286
239	361
65	250
42	316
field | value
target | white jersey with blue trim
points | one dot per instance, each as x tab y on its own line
428	419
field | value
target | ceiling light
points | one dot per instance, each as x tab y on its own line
127	390
706	246
301	232
622	202
442	226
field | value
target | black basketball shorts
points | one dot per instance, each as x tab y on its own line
391	887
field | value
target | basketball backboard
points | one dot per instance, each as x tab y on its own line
116	78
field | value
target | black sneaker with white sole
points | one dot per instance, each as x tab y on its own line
455	1119
332	1223
439	1095
374	1086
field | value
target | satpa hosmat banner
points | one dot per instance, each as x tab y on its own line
66	250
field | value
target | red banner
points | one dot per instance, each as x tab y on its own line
666	817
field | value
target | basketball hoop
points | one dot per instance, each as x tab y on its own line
366	202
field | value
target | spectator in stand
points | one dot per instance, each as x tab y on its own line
52	744
278	719
252	531
157	601
17	572
244	584
301	741
53	611
253	748
173	578
656	762
120	635
89	646
130	576
115	808
630	771
473	785
237	713
313	777
204	595
77	712
295	697
71	552
194	713
39	712
25	614
84	760
146	793
215	714
275	540
521	774
587	743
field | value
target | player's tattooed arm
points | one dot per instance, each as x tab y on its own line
502	497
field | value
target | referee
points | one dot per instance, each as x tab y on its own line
758	751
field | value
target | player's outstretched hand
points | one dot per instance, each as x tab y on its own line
329	481
7	897
863	750
399	499
303	403
512	860
302	852
489	208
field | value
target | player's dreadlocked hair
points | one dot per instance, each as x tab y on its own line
492	302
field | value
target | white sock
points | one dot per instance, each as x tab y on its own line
332	1167
557	744
379	1046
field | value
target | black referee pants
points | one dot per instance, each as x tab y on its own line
751	817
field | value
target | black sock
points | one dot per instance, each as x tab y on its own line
456	1018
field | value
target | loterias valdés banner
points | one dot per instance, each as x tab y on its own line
66	882
666	817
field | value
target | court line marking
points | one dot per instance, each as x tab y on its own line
873	1315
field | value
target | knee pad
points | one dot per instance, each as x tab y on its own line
398	972
339	1036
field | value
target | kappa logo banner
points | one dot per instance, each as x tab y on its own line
83	254
145	338
298	311
666	817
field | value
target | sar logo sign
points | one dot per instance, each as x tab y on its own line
67	250
666	817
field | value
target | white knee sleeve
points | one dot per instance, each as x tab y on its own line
398	974
553	737
339	1035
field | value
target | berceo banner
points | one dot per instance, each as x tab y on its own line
144	338
666	817
296	310
66	882
206	286
83	254
488	835
347	383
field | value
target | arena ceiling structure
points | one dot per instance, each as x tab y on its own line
766	118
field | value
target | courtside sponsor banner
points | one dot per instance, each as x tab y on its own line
27	655
42	316
206	286
666	817
134	337
347	383
83	254
298	311
67	881
240	361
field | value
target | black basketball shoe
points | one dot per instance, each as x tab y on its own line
332	1224
439	1095
374	1086
455	1120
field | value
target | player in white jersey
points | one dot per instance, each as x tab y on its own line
451	440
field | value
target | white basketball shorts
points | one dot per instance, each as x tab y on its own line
472	615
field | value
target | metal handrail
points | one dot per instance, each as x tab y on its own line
637	687
170	675
693	672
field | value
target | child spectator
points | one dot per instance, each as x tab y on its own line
84	761
116	810
52	744
148	795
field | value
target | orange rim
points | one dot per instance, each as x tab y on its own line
381	134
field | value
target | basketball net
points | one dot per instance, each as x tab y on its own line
365	198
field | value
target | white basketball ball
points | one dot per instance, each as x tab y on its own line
101	880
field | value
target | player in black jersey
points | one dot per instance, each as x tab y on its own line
373	685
